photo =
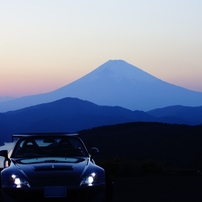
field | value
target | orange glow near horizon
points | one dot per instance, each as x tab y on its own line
45	45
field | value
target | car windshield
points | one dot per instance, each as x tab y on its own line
37	160
66	146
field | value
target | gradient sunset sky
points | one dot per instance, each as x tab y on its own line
46	44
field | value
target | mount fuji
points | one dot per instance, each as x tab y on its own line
116	83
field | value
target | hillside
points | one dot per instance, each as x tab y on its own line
193	115
72	114
68	114
169	145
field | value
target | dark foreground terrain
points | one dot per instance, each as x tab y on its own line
151	162
159	188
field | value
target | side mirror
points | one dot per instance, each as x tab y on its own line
94	151
4	153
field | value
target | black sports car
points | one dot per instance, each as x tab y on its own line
52	167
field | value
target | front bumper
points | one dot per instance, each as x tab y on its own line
80	194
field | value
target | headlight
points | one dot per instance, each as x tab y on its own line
89	180
19	182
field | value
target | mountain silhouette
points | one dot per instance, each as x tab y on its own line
192	115
73	114
116	83
65	115
6	98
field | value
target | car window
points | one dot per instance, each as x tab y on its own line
50	160
49	146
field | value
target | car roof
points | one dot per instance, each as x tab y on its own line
46	134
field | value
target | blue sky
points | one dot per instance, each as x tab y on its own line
46	44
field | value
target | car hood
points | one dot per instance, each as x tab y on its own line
51	168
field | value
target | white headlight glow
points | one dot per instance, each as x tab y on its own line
19	182
89	180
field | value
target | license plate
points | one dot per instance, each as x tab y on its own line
55	191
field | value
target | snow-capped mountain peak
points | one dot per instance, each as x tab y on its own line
116	83
119	70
